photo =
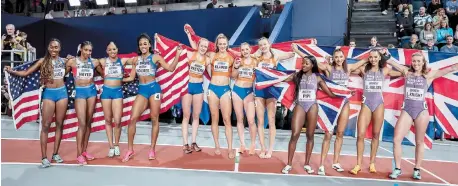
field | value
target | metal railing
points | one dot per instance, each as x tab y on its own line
27	55
349	16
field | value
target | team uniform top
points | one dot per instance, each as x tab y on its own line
339	76
58	68
246	71
196	67
221	66
267	63
84	71
146	67
114	70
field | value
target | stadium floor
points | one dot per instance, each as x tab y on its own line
21	162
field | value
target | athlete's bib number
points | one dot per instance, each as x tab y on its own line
266	65
113	71
144	70
415	93
307	95
197	68
59	73
221	66
341	82
373	86
245	72
84	73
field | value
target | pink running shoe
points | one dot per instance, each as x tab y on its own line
81	160
88	156
152	154
128	155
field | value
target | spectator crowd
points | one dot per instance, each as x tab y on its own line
432	26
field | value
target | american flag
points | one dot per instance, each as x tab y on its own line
173	85
25	93
98	122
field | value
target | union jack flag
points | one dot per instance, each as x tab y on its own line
445	94
393	92
329	108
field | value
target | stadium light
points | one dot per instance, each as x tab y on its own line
130	1
74	2
101	2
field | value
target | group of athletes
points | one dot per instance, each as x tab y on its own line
225	64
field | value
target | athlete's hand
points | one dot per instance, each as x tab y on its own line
70	56
455	67
294	47
328	59
186	29
179	49
352	92
237	63
7	69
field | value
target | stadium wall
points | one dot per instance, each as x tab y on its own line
324	19
124	30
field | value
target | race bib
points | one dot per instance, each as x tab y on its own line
245	72
341	82
143	69
197	68
221	66
59	73
415	94
84	72
373	86
113	71
59	70
307	95
265	65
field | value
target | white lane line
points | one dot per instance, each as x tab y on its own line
232	172
439	178
237	160
179	145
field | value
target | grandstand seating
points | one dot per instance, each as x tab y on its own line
164	7
367	21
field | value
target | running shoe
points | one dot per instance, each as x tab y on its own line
45	163
321	171
308	169
88	156
57	158
337	167
416	174
151	155
117	151
372	168
395	174
128	155
355	170
111	152
81	160
286	169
